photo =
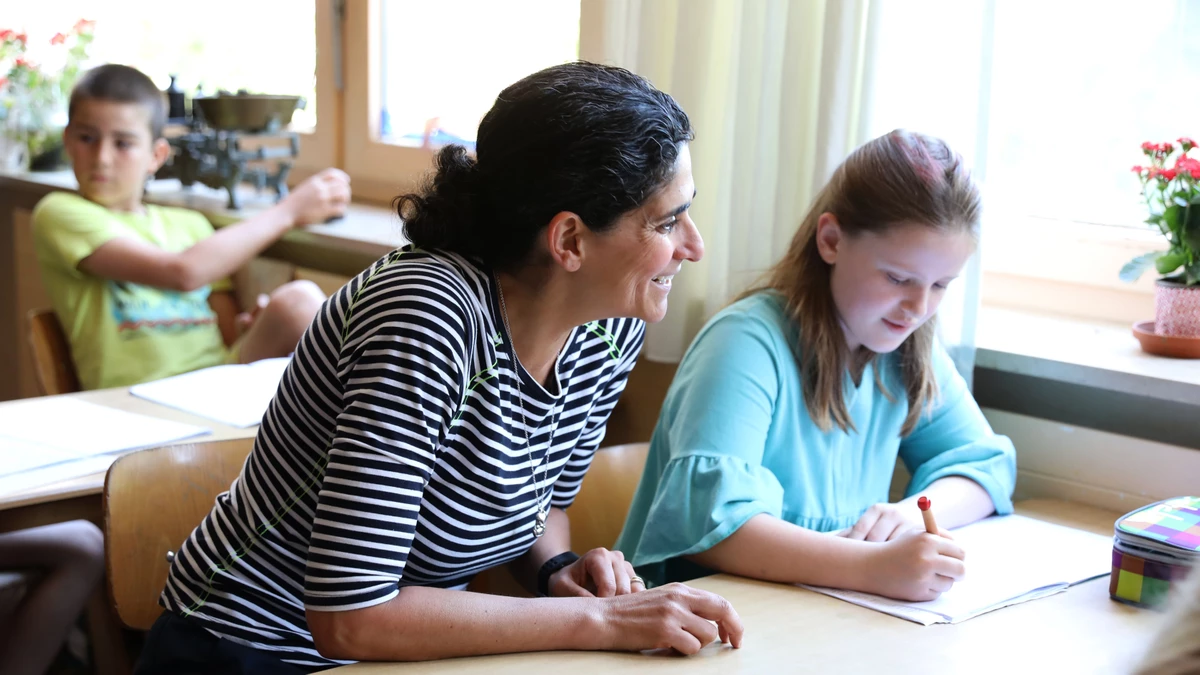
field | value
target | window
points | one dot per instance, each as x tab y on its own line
266	46
1050	103
1076	87
199	45
420	74
477	49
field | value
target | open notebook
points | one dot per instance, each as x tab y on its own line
237	395
44	440
1010	559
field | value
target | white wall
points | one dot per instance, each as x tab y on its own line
1107	470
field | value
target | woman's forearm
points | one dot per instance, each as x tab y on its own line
771	549
423	623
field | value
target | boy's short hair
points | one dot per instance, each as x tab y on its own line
121	84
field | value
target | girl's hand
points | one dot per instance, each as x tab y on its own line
674	616
915	566
885	522
600	572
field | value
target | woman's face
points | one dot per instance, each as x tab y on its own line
637	260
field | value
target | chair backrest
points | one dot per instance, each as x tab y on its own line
599	510
597	514
153	499
51	354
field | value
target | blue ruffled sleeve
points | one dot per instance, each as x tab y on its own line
955	439
701	500
705	476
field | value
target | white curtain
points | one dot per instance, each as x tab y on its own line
779	92
766	83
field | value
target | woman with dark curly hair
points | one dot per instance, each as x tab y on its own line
441	411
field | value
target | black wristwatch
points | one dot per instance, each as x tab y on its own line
550	567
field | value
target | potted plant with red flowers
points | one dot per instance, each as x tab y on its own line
1171	190
33	95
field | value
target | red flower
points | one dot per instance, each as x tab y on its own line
1168	174
1187	164
84	25
58	39
1167	148
1149	147
1152	172
1195	173
22	62
1186	142
1138	168
3	82
6	33
22	38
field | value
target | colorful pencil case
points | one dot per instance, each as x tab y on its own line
1153	549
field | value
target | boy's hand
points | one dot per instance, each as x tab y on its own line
319	198
915	566
244	320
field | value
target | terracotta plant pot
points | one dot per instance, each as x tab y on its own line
1176	309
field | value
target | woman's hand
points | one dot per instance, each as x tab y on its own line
674	616
600	572
885	522
915	566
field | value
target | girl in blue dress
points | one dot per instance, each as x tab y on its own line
775	447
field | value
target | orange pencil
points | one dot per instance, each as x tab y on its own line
930	524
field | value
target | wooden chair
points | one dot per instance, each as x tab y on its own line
153	499
597	515
599	511
51	354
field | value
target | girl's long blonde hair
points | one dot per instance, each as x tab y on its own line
1175	650
899	178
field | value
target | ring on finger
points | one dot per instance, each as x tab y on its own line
635	579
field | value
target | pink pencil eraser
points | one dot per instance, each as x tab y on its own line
923	503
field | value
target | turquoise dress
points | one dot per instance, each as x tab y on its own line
734	439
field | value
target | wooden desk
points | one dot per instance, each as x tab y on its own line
789	629
80	497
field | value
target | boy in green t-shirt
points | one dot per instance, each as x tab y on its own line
142	291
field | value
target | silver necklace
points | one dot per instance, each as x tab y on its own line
539	525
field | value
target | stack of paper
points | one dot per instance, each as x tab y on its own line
1010	559
43	440
236	395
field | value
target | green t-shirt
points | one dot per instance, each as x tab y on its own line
123	333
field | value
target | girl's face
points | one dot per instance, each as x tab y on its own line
887	285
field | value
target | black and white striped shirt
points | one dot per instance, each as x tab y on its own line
395	454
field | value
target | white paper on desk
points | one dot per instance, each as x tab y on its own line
1010	559
41	432
46	475
236	395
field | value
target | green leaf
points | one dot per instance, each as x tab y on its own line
1192	274
1191	232
1136	267
1169	262
1172	216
